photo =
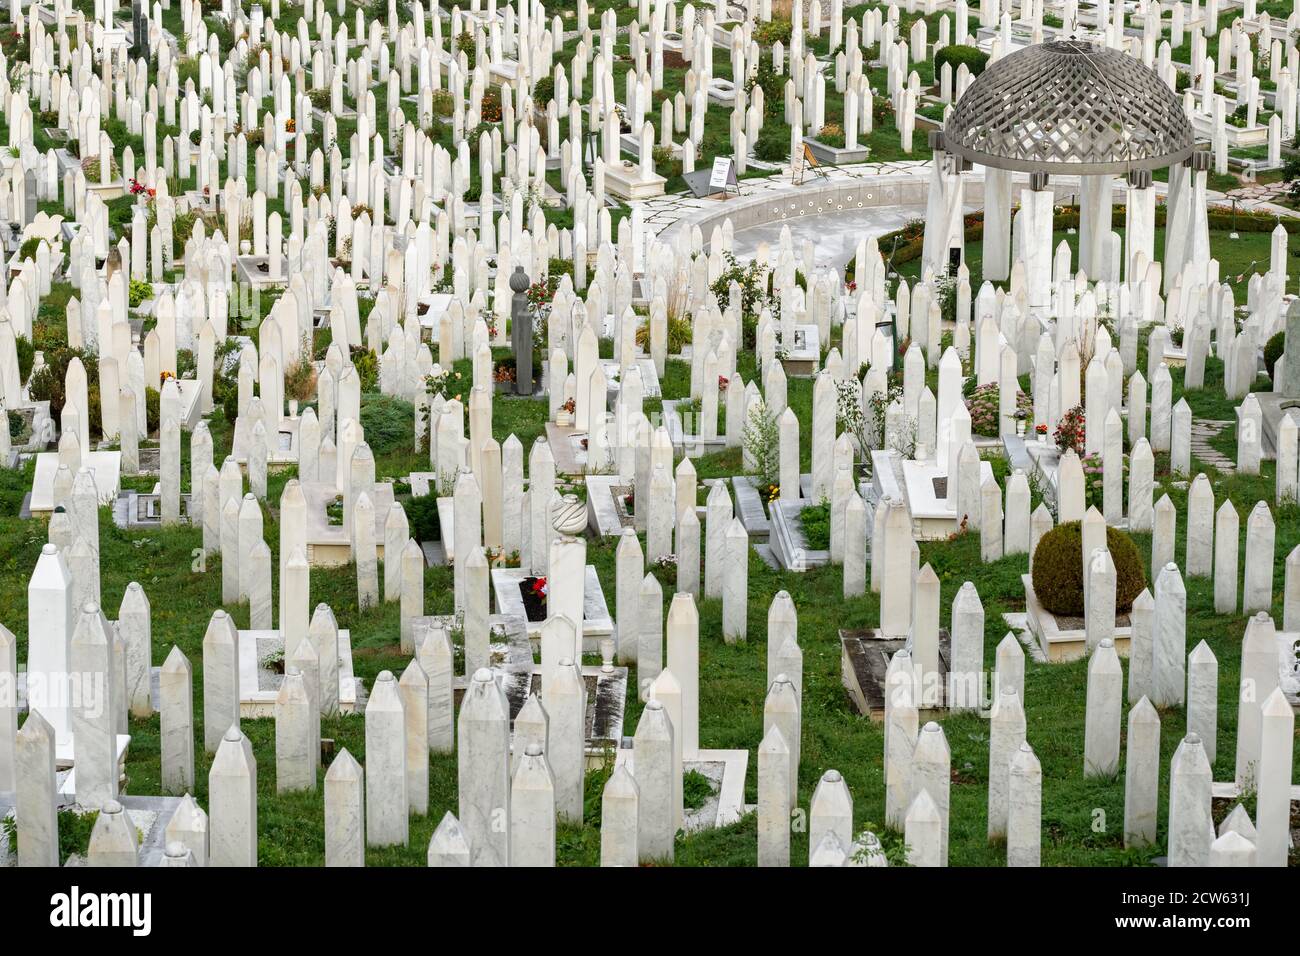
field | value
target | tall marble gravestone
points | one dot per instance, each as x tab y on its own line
30	201
1291	365
1280	402
521	332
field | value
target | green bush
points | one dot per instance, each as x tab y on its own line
543	92
389	423
46	384
229	402
26	357
28	249
773	143
773	85
957	54
776	29
367	366
138	292
466	42
1058	569
1273	351
152	409
422	514
816	523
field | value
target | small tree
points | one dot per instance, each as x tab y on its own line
762	444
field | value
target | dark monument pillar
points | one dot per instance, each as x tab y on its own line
521	332
139	29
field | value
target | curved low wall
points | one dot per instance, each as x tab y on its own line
818	197
844	188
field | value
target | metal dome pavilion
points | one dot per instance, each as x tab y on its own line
1069	107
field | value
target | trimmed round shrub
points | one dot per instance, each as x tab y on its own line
957	54
1273	351
1058	569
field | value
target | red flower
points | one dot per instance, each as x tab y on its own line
539	588
723	382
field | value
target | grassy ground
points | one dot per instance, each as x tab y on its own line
1238	258
1082	819
733	677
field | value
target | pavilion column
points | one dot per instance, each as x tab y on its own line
1139	224
997	224
1095	198
1036	246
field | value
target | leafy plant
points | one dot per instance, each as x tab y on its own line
138	292
984	405
773	143
74	830
367	366
422	513
464	42
47	382
300	380
388	422
776	30
26	357
28	249
444	102
697	789
1058	569
1273	349
816	523
761	440
957	54
679	334
1071	430
543	92
849	415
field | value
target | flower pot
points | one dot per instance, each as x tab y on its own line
1020	429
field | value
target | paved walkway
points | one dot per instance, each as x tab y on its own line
664	211
1203	431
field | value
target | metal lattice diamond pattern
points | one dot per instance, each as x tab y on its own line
1081	106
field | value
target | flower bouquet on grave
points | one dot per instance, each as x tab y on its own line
1041	431
723	382
1071	430
534	591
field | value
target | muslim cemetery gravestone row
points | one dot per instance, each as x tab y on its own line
445	426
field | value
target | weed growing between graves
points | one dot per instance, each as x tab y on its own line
816	521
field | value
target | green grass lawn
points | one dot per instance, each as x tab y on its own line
1247	254
732	677
1082	819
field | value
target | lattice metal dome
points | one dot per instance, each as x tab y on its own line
1069	107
